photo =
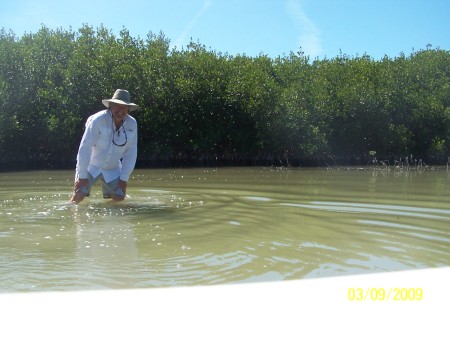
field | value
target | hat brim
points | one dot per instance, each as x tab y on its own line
132	106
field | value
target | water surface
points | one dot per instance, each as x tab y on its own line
225	225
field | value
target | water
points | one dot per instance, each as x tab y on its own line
225	225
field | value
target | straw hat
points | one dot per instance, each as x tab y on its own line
121	96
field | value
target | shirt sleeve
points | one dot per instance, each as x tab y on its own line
85	150
129	158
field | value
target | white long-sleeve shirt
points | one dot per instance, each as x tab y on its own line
97	153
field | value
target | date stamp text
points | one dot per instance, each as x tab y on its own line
385	294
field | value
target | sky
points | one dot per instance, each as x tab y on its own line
319	28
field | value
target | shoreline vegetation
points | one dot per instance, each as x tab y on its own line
200	107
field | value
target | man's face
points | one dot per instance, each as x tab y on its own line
119	111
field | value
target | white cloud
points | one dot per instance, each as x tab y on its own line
309	34
184	34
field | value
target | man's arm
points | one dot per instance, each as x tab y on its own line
85	150
129	158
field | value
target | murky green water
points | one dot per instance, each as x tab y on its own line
226	225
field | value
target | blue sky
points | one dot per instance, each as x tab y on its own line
321	28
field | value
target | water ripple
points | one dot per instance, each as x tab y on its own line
374	209
208	228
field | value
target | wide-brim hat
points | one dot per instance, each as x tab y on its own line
121	96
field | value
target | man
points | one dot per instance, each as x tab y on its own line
108	149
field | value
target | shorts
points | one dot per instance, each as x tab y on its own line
108	189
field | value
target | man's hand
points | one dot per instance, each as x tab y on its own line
123	186
78	196
79	184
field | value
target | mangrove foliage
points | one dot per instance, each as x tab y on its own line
202	107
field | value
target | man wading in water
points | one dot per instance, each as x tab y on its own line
108	149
